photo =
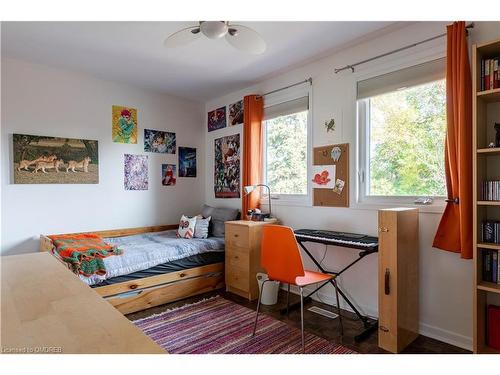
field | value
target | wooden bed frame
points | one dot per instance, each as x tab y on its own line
135	295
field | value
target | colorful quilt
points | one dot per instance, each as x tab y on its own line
84	252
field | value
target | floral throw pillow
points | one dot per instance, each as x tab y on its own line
186	227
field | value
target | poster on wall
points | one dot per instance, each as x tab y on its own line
124	128
187	162
227	167
217	119
168	174
54	160
136	172
236	113
159	141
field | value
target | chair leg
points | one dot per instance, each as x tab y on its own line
288	300
258	307
341	326
302	319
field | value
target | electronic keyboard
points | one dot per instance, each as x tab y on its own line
352	240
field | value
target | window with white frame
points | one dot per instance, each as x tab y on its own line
286	146
402	127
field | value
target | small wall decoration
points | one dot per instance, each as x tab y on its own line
330	125
236	113
124	124
168	174
187	162
323	176
53	160
336	153
217	119
159	141
339	186
136	172
227	167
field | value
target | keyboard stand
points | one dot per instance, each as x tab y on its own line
370	325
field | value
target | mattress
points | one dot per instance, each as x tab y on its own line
193	261
147	250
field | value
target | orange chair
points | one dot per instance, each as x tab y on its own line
280	256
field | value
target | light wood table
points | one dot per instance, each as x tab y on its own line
47	309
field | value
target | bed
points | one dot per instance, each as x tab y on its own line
144	276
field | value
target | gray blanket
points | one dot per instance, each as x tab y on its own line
143	251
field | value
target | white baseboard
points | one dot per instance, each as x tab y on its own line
444	335
449	337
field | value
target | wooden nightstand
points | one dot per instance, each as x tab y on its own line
243	257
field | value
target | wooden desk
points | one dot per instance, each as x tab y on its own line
45	308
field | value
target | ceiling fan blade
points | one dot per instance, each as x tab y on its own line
183	37
245	39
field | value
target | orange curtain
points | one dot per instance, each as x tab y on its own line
252	150
455	229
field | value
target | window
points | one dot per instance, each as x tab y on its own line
286	148
402	127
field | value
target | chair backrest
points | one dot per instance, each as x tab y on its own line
280	254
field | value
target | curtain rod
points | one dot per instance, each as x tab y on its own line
310	80
351	66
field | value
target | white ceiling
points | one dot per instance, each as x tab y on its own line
133	52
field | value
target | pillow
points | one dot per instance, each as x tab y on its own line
220	216
201	227
186	227
207	210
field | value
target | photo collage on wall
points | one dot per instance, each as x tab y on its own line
39	159
227	150
136	176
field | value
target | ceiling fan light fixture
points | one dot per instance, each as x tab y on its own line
214	29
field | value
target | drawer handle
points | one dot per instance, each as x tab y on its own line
236	235
133	286
383	229
384	329
236	257
182	274
387	285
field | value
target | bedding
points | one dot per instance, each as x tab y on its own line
219	217
84	253
198	260
201	227
143	251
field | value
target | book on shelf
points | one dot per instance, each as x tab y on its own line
491	266
490	231
490	78
490	191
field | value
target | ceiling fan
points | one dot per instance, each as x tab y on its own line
239	36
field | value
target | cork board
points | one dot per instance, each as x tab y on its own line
328	197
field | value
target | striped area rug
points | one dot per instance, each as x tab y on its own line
217	325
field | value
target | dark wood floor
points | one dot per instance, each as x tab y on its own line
317	324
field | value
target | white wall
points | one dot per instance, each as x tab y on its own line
47	101
445	279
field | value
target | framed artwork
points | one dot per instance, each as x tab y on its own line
124	124
227	167
159	141
217	119
236	113
136	172
53	160
187	162
168	174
